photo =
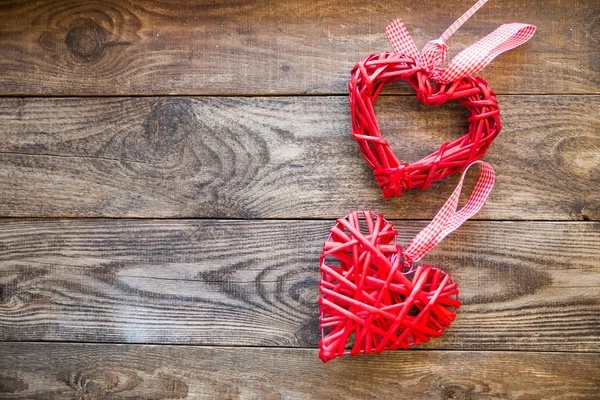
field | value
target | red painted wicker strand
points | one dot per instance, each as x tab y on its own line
368	79
368	298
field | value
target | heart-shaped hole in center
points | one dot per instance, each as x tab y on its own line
371	75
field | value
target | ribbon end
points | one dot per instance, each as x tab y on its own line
401	40
475	57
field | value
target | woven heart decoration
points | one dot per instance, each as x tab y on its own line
367	292
434	86
372	297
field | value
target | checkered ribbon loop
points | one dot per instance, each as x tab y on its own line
448	219
469	61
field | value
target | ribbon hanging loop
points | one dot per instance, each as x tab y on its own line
448	219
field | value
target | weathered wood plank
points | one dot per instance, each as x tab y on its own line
176	372
187	47
287	157
524	285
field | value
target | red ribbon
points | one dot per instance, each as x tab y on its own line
469	61
448	219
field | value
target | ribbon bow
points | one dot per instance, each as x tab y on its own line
469	61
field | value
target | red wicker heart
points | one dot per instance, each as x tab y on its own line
368	79
366	296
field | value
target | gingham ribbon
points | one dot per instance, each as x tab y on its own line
449	218
469	61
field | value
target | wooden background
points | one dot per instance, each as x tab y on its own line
169	170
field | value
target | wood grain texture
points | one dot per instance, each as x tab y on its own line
178	372
150	297
524	285
268	46
284	157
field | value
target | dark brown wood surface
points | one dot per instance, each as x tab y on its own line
176	372
269	46
284	157
255	283
170	169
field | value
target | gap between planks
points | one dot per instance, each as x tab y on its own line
302	348
251	95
